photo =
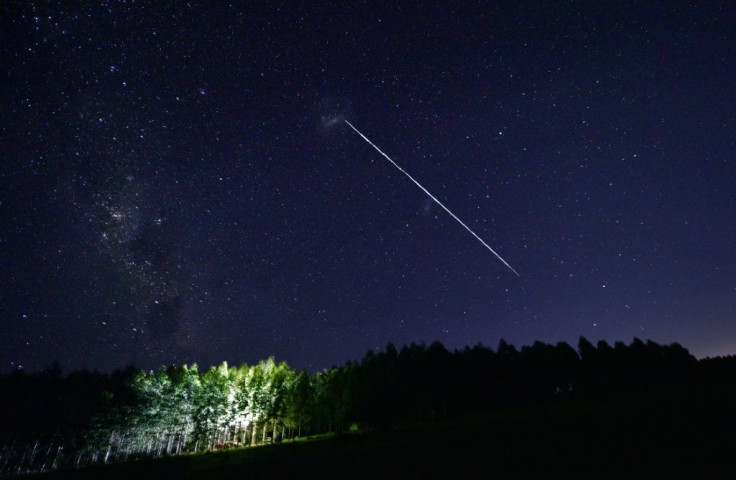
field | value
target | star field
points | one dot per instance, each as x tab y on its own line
178	184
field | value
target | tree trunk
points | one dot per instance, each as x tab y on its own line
253	434
33	452
56	458
20	463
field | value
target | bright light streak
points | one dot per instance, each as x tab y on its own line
433	198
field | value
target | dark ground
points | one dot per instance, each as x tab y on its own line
666	434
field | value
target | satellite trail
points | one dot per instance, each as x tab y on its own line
432	197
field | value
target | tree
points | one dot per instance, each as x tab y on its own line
213	406
298	412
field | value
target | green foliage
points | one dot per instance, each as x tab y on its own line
179	409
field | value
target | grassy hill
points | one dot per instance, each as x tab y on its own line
632	437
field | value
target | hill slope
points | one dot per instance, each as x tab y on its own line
652	436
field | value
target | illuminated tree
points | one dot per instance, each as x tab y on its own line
299	403
212	407
240	415
257	386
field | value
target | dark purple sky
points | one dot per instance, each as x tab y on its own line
169	192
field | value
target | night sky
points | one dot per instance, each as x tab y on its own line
178	185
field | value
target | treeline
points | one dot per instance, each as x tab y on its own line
51	421
419	382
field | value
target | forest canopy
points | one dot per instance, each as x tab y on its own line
53	420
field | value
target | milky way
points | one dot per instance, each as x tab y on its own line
176	187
